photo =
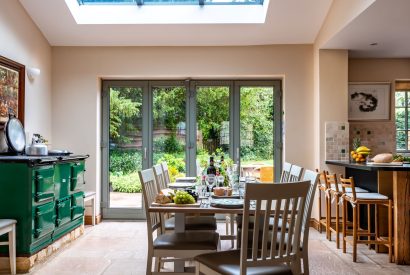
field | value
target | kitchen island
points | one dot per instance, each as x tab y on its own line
394	182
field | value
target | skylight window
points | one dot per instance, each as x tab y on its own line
170	2
129	12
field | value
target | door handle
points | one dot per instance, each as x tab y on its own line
237	154
145	152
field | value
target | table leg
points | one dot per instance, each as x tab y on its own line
179	227
401	197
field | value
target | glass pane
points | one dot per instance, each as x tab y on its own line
401	140
400	99
257	132
400	118
125	147
169	128
91	2
212	125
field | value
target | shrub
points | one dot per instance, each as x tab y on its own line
125	161
173	161
168	144
129	183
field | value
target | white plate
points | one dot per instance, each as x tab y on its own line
181	184
385	164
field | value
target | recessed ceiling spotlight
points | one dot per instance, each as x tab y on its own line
374	44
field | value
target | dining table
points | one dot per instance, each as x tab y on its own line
180	213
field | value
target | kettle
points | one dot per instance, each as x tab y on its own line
37	147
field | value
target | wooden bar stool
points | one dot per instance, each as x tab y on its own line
322	189
335	193
367	199
9	226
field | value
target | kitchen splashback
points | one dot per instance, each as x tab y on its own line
378	136
337	140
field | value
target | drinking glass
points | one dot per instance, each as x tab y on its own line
210	180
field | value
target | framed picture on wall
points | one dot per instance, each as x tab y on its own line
12	80
369	101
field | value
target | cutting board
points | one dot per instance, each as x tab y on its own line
385	164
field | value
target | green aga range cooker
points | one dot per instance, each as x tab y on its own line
44	194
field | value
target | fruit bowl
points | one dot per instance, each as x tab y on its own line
360	154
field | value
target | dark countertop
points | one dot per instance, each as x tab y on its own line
40	159
367	167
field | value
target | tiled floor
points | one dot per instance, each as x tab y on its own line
120	248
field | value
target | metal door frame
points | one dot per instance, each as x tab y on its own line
107	211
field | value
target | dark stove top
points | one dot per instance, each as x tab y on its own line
39	159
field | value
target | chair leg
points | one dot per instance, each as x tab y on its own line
157	264
355	211
328	219
390	220
344	218
149	263
376	225
305	262
320	211
369	231
232	224
337	223
12	249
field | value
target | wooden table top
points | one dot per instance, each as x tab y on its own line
195	210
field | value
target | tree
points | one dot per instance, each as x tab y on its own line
122	110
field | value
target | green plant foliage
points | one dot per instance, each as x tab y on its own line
128	183
173	161
168	144
125	106
125	161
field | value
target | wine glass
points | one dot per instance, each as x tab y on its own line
210	180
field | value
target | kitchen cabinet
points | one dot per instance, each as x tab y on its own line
44	195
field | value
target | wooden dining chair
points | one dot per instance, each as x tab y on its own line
160	176
165	169
170	246
313	178
368	199
285	172
8	226
322	192
295	173
280	201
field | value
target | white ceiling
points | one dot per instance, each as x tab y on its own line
385	22
287	22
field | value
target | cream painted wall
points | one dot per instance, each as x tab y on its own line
380	70
330	94
76	84
21	41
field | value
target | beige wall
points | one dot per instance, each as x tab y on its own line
76	86
21	41
380	70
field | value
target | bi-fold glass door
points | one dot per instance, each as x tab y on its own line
143	124
184	123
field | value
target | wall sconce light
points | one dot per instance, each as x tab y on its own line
32	73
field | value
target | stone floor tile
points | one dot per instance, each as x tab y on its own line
114	247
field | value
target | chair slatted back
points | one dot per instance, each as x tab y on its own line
282	202
332	179
295	173
167	177
348	183
150	190
313	178
285	172
159	176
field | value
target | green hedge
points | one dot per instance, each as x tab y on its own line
128	183
125	161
